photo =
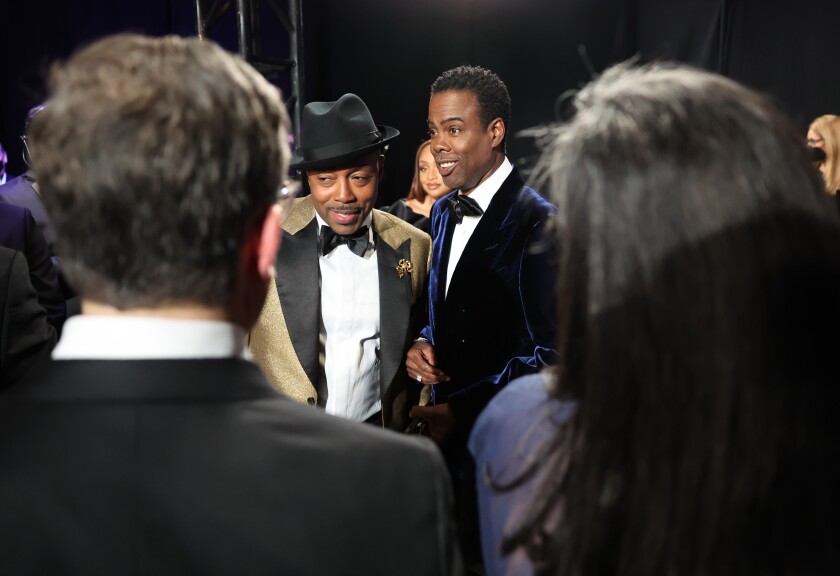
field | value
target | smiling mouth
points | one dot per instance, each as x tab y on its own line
446	167
345	215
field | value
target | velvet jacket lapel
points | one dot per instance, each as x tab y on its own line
483	245
442	225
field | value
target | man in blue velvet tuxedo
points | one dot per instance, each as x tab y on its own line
491	282
350	288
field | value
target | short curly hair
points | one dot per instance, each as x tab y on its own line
490	91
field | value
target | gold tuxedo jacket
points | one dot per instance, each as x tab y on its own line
284	341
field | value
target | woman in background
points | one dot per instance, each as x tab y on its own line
824	133
426	187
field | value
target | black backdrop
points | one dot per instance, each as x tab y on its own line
389	51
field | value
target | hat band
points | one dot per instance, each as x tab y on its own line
340	149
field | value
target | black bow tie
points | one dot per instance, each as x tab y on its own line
357	241
461	206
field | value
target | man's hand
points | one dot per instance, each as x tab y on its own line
439	418
420	364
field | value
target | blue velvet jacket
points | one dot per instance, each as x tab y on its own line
498	321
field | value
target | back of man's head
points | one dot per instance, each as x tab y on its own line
158	158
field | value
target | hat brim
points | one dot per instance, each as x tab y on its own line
298	161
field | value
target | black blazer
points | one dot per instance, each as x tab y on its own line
19	231
200	467
26	339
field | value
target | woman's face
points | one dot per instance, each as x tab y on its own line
815	140
430	178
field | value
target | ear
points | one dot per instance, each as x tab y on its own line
380	165
269	243
497	131
256	269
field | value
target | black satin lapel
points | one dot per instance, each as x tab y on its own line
394	307
298	285
491	230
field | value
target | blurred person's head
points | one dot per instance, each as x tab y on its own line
469	112
427	181
341	155
160	162
27	153
824	133
699	317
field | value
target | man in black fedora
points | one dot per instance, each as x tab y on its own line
351	281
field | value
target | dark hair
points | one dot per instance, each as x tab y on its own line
699	317
490	91
416	192
155	157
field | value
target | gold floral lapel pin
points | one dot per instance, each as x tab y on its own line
403	267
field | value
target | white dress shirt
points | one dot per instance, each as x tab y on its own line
482	194
350	313
147	338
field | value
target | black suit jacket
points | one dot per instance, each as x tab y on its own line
284	340
26	338
200	467
21	191
19	231
498	320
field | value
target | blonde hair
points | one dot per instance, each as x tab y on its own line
827	127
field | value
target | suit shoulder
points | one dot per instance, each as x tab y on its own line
534	205
389	226
300	215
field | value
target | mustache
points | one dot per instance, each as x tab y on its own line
348	209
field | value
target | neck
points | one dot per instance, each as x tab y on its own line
498	160
185	311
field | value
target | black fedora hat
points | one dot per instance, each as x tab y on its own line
334	132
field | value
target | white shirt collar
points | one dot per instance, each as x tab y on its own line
484	192
136	337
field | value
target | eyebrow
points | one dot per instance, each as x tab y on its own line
448	120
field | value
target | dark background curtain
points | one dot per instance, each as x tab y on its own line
390	51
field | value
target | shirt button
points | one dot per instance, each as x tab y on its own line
310	401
